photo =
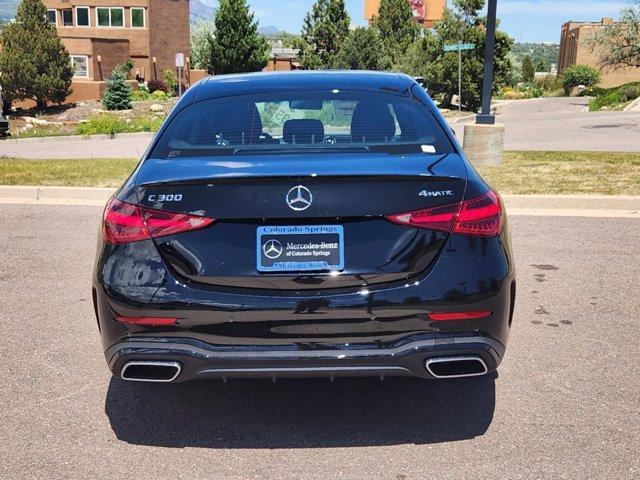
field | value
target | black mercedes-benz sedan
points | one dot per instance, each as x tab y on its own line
304	224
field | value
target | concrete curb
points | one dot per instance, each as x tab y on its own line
633	106
66	138
26	195
516	205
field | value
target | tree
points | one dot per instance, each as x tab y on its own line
33	61
618	45
202	34
541	65
117	94
363	50
426	57
325	28
577	75
237	47
396	25
528	71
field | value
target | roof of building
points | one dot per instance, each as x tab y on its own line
238	84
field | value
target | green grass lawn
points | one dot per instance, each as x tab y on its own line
520	173
603	173
104	172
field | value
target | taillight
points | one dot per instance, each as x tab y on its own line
150	321
480	216
125	223
446	316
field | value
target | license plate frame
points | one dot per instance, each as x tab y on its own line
299	248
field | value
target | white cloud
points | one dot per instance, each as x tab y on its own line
567	8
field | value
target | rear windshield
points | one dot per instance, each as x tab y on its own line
283	122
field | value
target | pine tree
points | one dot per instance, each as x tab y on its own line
464	23
33	61
117	95
397	27
363	50
325	28
237	46
528	71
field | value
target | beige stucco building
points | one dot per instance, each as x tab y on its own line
100	34
575	50
426	12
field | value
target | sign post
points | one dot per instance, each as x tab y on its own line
180	66
485	118
459	48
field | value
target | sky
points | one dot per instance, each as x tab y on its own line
524	20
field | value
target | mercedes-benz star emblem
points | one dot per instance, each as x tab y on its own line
299	198
272	249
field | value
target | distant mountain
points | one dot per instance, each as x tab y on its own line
269	30
200	11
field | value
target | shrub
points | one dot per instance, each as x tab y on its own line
612	98
170	80
159	95
117	95
140	95
110	124
125	68
579	75
629	92
103	123
155	85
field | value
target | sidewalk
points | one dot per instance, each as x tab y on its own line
516	205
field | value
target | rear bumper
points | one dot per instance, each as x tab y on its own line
200	361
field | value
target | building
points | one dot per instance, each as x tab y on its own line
282	59
100	34
575	50
426	12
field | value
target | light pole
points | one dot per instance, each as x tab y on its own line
485	117
484	139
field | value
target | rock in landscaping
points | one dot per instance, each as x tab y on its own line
156	107
35	121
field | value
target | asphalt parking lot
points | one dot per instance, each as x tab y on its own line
565	403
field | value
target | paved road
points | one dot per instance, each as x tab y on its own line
97	146
541	124
564	405
564	124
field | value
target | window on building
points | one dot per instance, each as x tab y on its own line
82	16
67	17
51	15
137	17
80	65
110	16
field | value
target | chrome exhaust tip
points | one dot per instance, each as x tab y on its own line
149	371
456	367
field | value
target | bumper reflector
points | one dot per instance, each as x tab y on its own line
152	321
444	316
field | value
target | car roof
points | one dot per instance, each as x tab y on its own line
238	84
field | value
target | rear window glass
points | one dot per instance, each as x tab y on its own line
319	121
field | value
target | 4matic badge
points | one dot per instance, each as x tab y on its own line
436	193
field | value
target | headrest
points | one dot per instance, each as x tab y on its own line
303	131
372	122
234	120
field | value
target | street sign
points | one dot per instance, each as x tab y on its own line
459	46
179	66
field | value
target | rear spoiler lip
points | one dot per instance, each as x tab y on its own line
249	178
157	172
